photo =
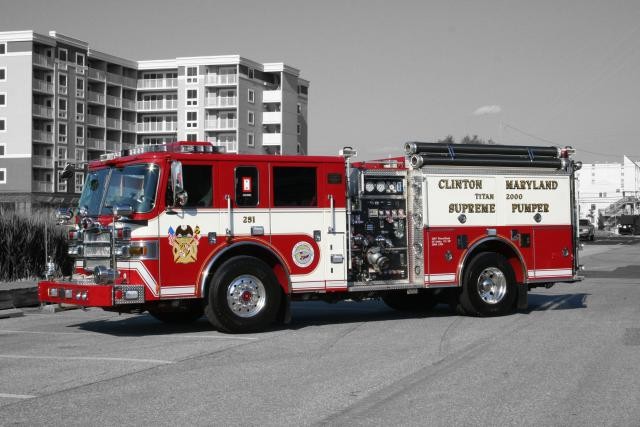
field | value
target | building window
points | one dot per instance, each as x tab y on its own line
3	74
250	73
62	133
79	135
192	119
62	183
251	96
78	180
303	90
3	48
250	140
62	54
79	155
3	99
62	84
299	129
3	176
299	108
192	137
3	125
80	59
79	107
2	149
79	87
192	97
192	74
251	117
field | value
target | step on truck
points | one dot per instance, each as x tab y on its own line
181	230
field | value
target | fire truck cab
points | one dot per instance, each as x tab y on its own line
179	230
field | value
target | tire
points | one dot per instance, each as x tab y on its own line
244	296
413	303
593	237
489	286
188	313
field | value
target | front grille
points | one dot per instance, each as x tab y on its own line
97	251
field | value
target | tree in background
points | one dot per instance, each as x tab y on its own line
466	140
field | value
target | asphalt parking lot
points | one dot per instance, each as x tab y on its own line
572	359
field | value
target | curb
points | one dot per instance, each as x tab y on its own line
9	313
19	297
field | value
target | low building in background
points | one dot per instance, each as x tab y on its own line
608	190
63	101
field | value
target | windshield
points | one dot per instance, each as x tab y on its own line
133	185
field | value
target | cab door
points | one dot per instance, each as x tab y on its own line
244	213
188	234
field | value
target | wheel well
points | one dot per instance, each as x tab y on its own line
247	249
503	248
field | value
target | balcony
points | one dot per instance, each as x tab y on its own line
157	127
114	123
221	80
271	117
113	145
95	144
128	126
97	75
158	105
158	84
114	78
42	111
113	101
271	96
128	104
42	186
221	102
42	136
272	139
42	61
42	86
41	162
227	146
95	97
221	124
92	119
129	82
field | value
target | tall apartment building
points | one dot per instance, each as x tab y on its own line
62	101
608	189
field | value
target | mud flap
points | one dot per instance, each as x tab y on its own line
284	313
522	302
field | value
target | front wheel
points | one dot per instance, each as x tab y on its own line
489	287
244	296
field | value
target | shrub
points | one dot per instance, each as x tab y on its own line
22	248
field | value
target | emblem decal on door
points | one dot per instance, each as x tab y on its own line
302	254
184	241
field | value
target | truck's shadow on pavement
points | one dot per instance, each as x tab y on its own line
307	314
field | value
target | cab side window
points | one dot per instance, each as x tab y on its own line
294	186
246	183
198	185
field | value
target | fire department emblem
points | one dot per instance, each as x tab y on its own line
302	254
184	241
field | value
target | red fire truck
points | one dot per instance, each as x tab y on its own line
179	230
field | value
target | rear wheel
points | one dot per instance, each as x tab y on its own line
489	287
244	296
415	303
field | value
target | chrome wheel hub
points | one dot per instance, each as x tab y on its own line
492	285
246	296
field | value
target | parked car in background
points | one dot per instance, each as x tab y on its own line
629	224
587	230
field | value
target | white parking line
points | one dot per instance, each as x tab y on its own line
98	359
16	396
176	335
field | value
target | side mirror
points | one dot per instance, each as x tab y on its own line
122	210
63	215
177	185
67	172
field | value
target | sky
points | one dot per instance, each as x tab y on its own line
381	73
